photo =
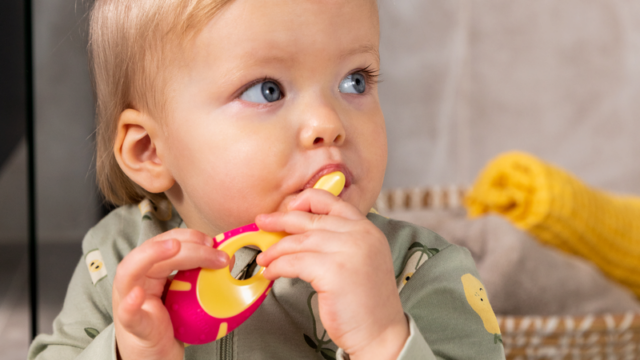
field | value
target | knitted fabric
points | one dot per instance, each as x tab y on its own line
561	211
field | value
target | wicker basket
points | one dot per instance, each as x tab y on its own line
435	197
571	337
602	336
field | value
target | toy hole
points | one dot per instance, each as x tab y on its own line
256	271
245	265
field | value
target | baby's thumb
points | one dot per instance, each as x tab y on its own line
131	315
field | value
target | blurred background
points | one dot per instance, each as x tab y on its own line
463	80
67	199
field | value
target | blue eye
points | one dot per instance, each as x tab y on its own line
353	84
262	93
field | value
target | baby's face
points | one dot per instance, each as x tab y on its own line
272	95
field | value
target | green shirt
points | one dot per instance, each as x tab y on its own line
448	312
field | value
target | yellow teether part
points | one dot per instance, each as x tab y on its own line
225	296
333	183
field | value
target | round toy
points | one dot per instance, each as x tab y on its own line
207	304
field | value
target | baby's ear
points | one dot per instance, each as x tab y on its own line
135	149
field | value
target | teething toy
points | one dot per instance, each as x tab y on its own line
207	304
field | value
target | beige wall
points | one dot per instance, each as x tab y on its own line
465	80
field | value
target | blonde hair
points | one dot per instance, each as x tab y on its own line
130	42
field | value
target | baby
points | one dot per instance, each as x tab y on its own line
213	114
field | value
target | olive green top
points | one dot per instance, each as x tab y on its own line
447	307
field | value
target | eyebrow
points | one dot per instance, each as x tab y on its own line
367	49
362	49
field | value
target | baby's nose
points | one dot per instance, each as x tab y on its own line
320	140
323	130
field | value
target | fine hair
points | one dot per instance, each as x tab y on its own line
132	44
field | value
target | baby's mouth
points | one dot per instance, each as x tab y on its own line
328	169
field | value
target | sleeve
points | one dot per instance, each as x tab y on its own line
414	348
448	305
84	327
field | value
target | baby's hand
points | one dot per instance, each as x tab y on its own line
142	324
348	262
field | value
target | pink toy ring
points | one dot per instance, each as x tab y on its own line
207	304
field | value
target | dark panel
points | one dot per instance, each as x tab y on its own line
12	75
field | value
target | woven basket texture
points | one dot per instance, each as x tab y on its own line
608	336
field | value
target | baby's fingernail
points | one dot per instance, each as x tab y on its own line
169	244
208	241
223	258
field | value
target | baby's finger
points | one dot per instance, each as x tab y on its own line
190	256
304	266
318	241
132	316
296	222
185	235
134	267
324	203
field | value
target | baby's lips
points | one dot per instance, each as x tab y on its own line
329	169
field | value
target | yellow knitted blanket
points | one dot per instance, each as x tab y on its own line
559	210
